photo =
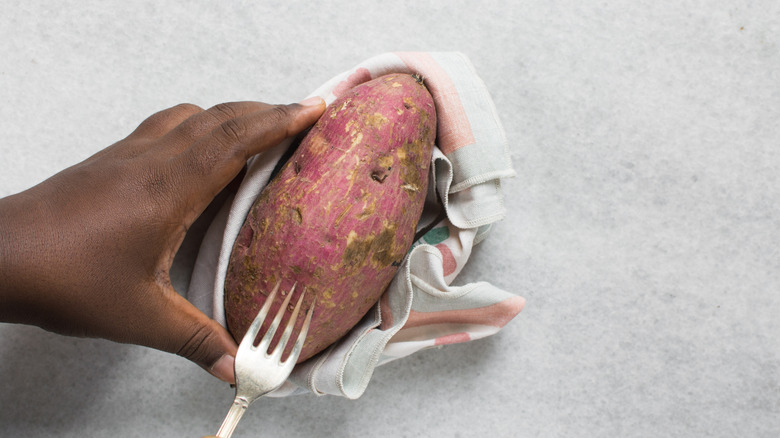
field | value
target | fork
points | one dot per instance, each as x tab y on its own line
259	372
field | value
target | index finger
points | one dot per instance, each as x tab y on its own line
213	161
199	124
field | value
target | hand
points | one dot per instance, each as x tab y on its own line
88	251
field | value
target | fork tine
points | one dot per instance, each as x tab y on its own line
302	335
248	340
291	323
269	335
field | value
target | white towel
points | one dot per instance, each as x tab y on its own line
420	309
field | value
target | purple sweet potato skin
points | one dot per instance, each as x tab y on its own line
341	215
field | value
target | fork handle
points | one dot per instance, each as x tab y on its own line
231	419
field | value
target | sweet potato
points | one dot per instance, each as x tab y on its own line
339	217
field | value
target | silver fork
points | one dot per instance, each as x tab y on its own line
257	371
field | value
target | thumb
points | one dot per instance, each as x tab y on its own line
189	333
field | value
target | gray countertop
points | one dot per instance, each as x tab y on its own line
643	225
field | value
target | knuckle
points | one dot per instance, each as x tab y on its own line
280	113
179	112
168	118
215	116
186	109
194	347
280	121
232	131
225	110
189	128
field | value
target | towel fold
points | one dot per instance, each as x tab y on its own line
421	308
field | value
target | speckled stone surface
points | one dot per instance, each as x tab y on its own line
643	225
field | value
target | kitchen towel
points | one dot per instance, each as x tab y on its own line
421	308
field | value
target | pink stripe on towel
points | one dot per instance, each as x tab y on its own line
454	129
361	75
454	338
496	315
385	312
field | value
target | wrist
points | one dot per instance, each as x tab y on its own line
19	214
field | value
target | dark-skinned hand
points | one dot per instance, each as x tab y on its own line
88	251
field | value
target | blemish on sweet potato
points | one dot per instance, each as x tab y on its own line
250	271
385	248
356	251
376	120
296	215
368	211
356	139
378	176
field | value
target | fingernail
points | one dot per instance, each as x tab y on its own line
312	101
223	368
